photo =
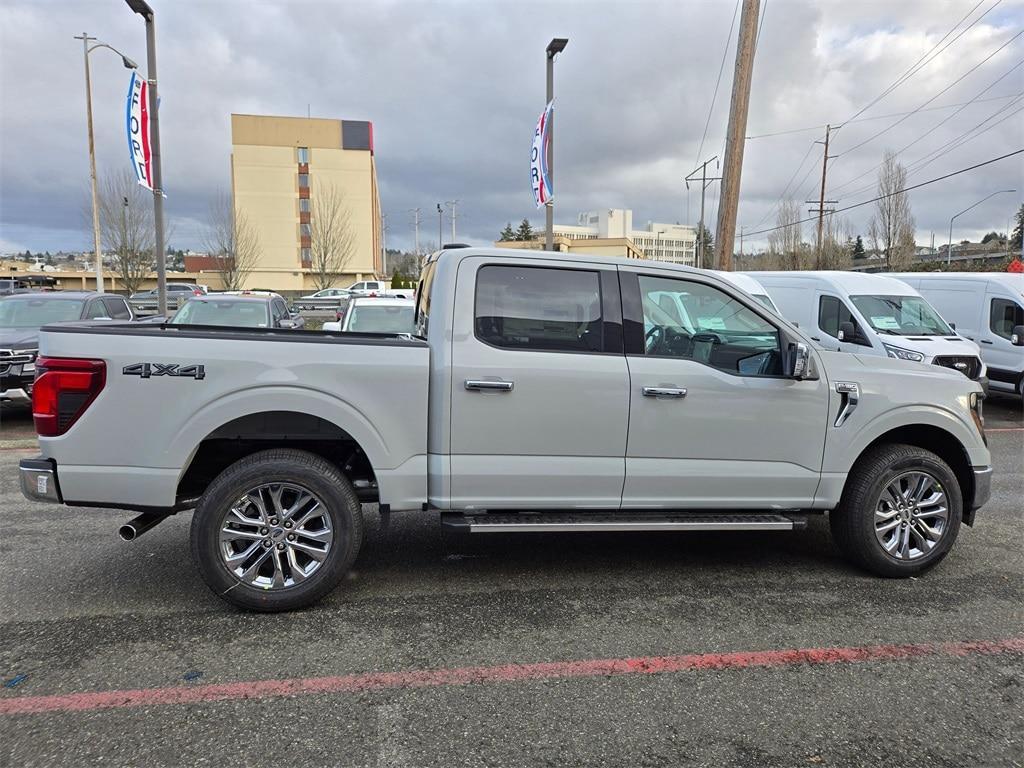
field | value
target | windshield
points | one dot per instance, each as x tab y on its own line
378	319
902	315
763	298
239	314
35	313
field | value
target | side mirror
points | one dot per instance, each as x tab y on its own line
953	326
800	362
847	331
335	327
288	324
1017	336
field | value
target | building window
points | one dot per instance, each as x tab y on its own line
303	180
305	255
304	205
306	230
303	155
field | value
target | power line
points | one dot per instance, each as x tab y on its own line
918	65
721	69
788	184
933	98
891	194
954	143
810	128
937	125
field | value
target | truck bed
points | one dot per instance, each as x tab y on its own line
170	388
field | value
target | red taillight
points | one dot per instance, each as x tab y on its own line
63	389
197	292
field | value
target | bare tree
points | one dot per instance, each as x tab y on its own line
232	241
332	242
892	226
126	227
836	236
786	248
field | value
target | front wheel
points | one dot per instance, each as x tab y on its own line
276	531
900	512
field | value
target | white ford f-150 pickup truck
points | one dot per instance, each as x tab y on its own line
539	393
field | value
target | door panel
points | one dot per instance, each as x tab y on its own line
556	438
732	433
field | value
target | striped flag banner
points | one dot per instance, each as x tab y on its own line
137	121
539	176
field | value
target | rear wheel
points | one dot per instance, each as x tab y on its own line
276	531
900	512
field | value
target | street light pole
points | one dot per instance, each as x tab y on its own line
555	47
142	8
440	226
949	246
129	64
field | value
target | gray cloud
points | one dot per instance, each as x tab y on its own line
453	89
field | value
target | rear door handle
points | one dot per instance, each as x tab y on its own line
985	341
670	392
496	386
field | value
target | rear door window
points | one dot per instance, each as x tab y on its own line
539	308
116	308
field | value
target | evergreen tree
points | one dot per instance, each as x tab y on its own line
990	237
507	233
858	248
525	231
1018	233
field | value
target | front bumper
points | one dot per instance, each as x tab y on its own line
18	395
39	480
982	487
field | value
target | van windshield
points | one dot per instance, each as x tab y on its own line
902	316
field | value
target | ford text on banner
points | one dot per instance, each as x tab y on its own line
539	159
137	116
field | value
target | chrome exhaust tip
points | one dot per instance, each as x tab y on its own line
137	526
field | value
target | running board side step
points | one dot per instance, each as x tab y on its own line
537	522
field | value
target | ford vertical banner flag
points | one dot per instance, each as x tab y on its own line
138	130
539	159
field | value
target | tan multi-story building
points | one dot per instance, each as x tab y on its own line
675	243
278	166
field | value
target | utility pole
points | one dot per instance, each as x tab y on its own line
451	204
821	210
440	226
97	251
384	244
416	227
741	246
705	180
735	137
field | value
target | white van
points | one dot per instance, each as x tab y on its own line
749	284
871	315
985	307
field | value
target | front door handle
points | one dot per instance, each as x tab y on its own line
495	386
671	392
985	341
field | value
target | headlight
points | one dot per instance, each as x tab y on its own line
975	401
903	354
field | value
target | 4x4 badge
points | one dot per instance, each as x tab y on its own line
149	370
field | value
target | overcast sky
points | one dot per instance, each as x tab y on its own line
454	89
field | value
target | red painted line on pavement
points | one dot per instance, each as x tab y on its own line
370	681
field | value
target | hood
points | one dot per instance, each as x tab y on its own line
908	367
19	338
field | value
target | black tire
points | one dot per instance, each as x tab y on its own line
853	521
286	466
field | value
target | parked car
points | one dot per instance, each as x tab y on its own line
10	287
177	294
329	298
872	315
380	288
750	285
375	315
238	310
986	307
531	399
21	317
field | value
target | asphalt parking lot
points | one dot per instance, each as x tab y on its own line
748	649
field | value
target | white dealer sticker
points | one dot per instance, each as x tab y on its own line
887	323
